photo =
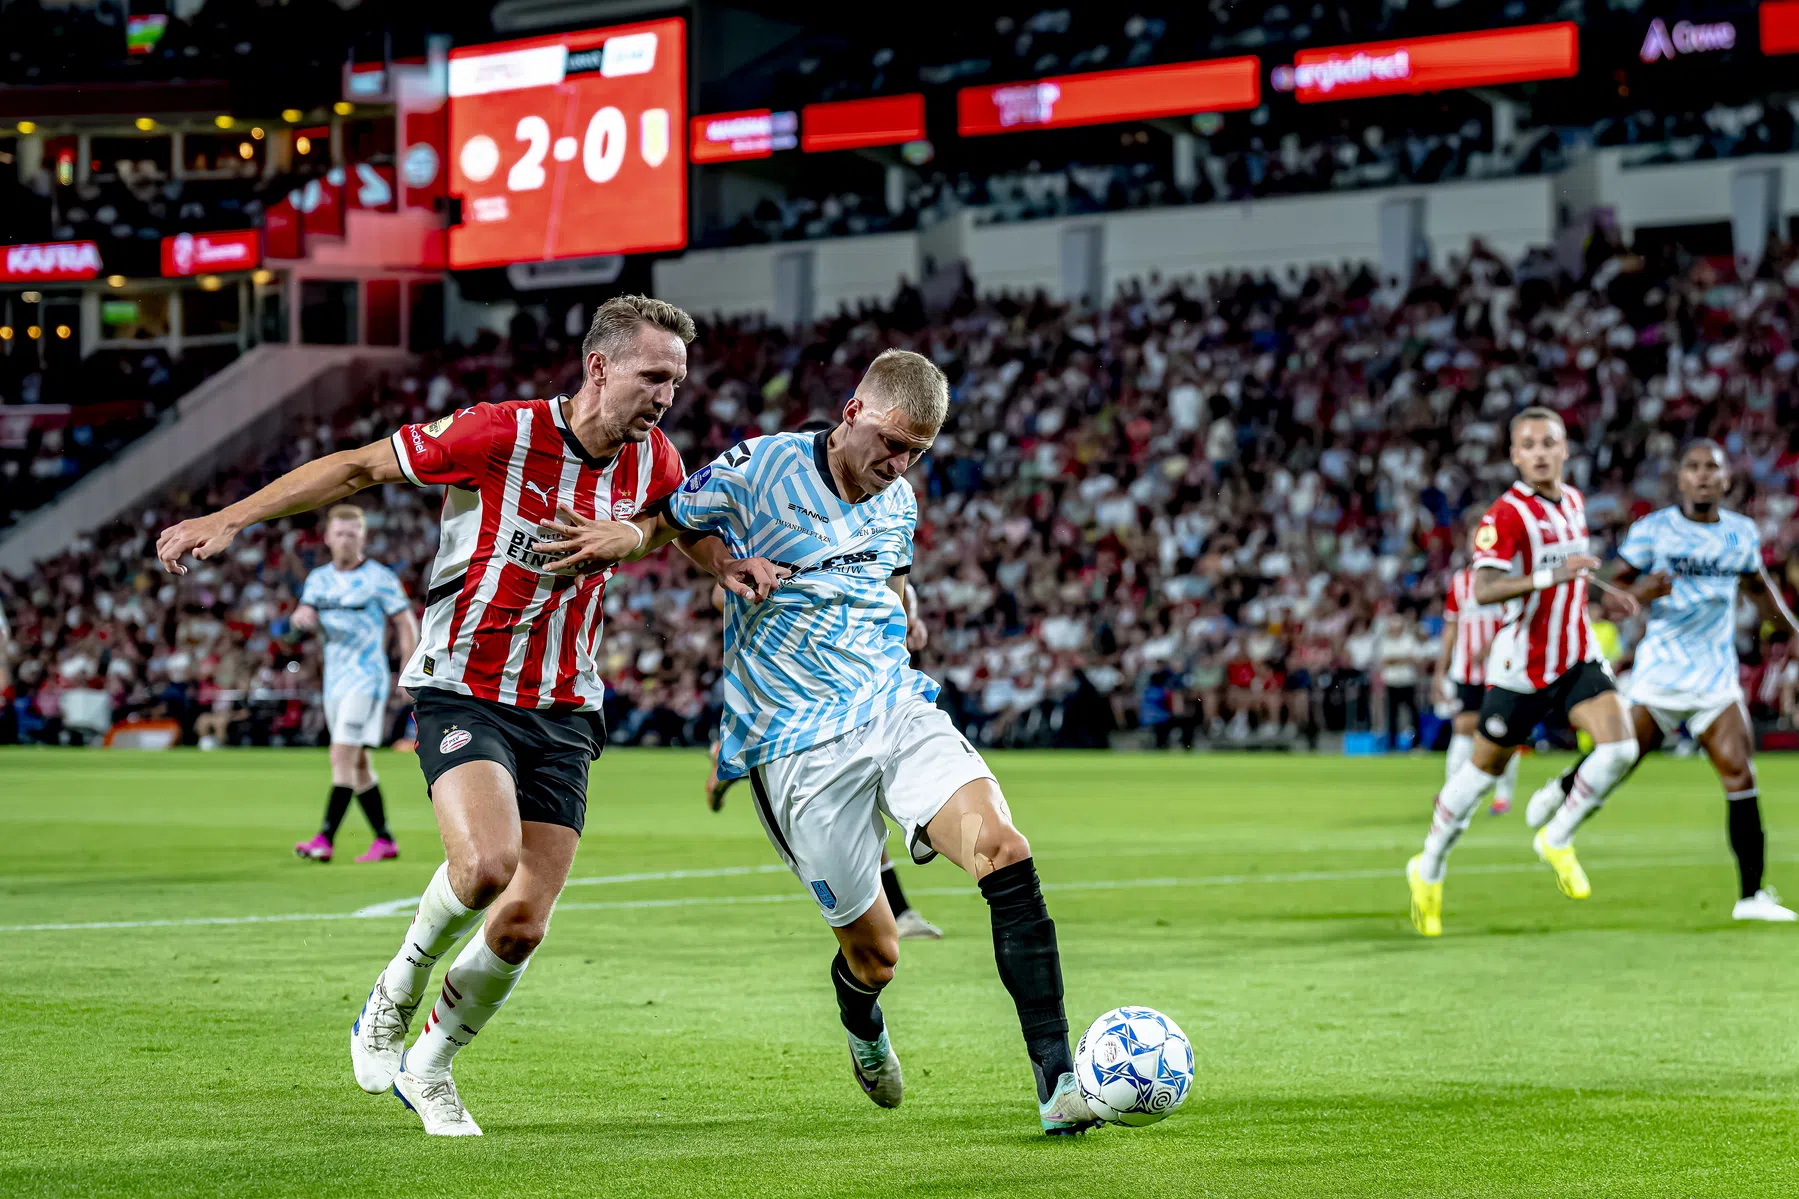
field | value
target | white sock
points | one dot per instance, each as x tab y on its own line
1508	782
474	988
1461	748
1603	770
439	924
1456	804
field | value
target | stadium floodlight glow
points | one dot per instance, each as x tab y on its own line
246	150
852	124
223	121
302	144
210	282
27	127
1101	97
257	133
1780	27
263	277
292	115
63	332
343	108
1431	64
33	332
115	280
31	297
145	124
5	332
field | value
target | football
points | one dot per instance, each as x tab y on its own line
1134	1065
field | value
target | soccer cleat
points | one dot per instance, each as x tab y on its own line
1543	803
1427	899
1764	905
1568	874
437	1104
381	851
913	927
1066	1113
316	850
877	1068
1500	806
378	1039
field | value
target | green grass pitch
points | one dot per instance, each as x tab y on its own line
677	1035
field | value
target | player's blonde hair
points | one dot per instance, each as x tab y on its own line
1537	412
347	512
616	322
908	382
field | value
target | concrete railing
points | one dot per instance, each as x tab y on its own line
239	411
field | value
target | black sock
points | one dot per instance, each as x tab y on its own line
859	1007
1567	776
335	807
896	895
375	810
1746	840
1024	947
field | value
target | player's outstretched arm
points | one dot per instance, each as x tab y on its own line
320	482
1492	585
1768	600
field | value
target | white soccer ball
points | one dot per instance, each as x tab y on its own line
1134	1065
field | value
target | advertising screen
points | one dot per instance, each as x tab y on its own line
849	124
205	253
736	136
49	262
1432	64
1221	85
1780	27
569	145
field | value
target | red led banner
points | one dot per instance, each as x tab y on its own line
205	253
49	262
847	124
736	136
1780	27
1433	64
1221	85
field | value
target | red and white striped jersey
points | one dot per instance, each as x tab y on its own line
1546	633
1476	625
499	625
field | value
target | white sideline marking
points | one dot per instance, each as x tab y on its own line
400	907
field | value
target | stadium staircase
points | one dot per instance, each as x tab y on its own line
239	412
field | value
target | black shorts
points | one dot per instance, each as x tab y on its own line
546	753
1472	696
1507	717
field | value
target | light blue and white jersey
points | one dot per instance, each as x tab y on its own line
353	607
826	651
1689	646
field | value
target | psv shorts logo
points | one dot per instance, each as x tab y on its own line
453	740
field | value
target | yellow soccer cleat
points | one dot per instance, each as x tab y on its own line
1568	874
1427	900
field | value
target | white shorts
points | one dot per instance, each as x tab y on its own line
1671	709
822	807
356	717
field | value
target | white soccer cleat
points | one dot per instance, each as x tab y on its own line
437	1104
1764	905
378	1039
1543	802
1066	1112
881	1082
913	927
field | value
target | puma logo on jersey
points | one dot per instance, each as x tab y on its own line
548	497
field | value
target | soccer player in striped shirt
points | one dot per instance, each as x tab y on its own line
1530	553
834	727
1688	563
1460	683
351	600
505	680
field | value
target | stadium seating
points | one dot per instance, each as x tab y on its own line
1201	514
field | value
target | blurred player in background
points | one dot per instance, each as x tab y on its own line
1460	682
1530	553
505	680
838	732
1687	563
351	600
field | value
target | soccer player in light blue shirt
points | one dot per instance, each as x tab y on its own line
352	600
1686	564
836	730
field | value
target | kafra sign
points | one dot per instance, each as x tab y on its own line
50	262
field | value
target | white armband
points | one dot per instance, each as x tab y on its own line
1543	579
637	529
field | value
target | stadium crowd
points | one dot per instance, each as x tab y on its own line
1219	508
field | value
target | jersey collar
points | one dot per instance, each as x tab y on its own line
570	440
821	458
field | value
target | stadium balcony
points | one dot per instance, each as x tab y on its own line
1218	512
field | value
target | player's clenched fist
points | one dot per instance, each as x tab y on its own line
203	536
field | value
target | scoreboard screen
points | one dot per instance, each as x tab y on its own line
570	145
